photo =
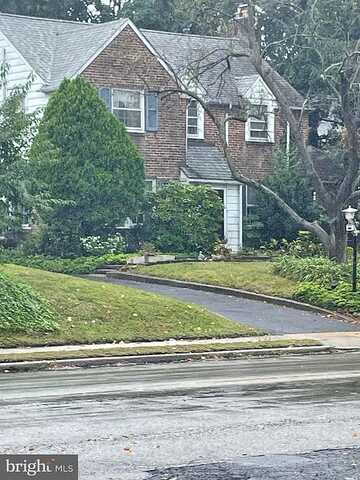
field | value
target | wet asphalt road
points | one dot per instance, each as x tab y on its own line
274	319
281	418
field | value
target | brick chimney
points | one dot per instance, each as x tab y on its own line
242	11
240	19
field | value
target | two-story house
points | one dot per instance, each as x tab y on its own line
137	75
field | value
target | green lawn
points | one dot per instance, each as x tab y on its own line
96	312
253	276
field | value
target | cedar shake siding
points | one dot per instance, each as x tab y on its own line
128	64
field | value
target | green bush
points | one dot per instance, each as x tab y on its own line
75	266
305	245
22	310
319	270
184	218
97	245
340	298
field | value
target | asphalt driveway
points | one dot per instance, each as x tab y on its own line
274	319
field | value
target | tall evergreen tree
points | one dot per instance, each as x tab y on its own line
86	161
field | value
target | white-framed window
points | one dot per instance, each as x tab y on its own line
129	107
195	120
150	185
260	126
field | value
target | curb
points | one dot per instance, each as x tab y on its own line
159	358
229	291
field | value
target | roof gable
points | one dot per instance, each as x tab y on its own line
225	68
58	49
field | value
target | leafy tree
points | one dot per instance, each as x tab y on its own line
16	131
191	16
185	218
336	43
151	14
88	164
81	10
331	32
204	17
288	181
289	30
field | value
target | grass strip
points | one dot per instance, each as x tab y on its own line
257	277
127	351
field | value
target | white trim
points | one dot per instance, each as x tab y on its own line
257	98
200	121
142	108
251	92
201	180
288	138
153	183
270	124
227	126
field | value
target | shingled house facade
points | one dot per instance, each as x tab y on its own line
136	73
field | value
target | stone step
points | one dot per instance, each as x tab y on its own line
105	271
114	267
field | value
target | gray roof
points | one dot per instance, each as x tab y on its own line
206	162
222	64
58	49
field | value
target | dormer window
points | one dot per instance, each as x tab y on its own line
195	120
260	126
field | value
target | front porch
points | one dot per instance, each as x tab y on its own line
205	165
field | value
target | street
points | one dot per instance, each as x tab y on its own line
277	418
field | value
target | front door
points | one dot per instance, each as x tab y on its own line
221	192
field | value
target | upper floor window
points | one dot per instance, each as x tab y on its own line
260	124
129	106
195	120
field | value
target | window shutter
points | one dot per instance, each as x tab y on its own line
152	112
105	95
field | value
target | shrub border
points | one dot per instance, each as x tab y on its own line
284	302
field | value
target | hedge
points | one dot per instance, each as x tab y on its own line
76	266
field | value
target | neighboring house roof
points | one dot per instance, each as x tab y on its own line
58	49
206	162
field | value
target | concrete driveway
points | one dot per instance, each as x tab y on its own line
274	319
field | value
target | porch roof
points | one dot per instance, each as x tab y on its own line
205	162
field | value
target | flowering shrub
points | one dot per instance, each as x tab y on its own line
103	246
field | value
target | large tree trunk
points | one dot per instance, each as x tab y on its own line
338	240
